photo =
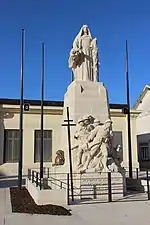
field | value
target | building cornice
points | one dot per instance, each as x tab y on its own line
119	113
59	111
36	103
8	111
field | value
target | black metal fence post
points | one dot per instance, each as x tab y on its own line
48	172
41	183
109	188
37	179
42	120
137	173
69	148
128	114
20	156
148	188
68	189
32	176
94	191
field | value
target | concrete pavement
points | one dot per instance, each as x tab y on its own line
119	213
5	206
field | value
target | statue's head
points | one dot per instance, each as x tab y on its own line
108	123
85	29
91	119
60	153
86	119
83	121
59	159
97	122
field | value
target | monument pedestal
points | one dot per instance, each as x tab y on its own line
83	98
90	185
86	98
95	186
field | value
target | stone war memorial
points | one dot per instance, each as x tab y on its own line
88	103
93	157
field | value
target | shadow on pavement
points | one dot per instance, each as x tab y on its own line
9	182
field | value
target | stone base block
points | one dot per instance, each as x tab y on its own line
96	186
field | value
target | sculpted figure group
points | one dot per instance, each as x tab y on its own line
95	146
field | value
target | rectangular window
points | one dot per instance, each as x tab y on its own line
144	151
47	145
11	145
118	140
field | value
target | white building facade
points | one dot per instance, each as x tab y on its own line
53	111
143	128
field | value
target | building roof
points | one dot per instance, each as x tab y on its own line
9	101
141	96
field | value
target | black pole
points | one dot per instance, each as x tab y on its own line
21	115
72	76
42	99
109	188
128	115
148	188
70	160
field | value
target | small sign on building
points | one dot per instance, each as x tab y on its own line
26	107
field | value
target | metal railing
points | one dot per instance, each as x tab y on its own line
48	179
95	187
81	189
137	173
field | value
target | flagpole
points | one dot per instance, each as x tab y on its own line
72	76
42	100
21	115
128	115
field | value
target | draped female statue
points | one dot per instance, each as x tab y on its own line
83	59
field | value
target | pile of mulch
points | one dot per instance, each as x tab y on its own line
22	202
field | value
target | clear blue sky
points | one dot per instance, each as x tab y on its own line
56	22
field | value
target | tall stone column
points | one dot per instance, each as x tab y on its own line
84	98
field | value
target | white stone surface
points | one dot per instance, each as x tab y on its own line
48	196
142	122
5	205
60	169
83	57
118	213
97	184
144	183
86	98
90	185
142	125
109	213
83	98
94	145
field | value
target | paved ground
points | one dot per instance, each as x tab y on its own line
2	205
120	213
108	213
5	207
